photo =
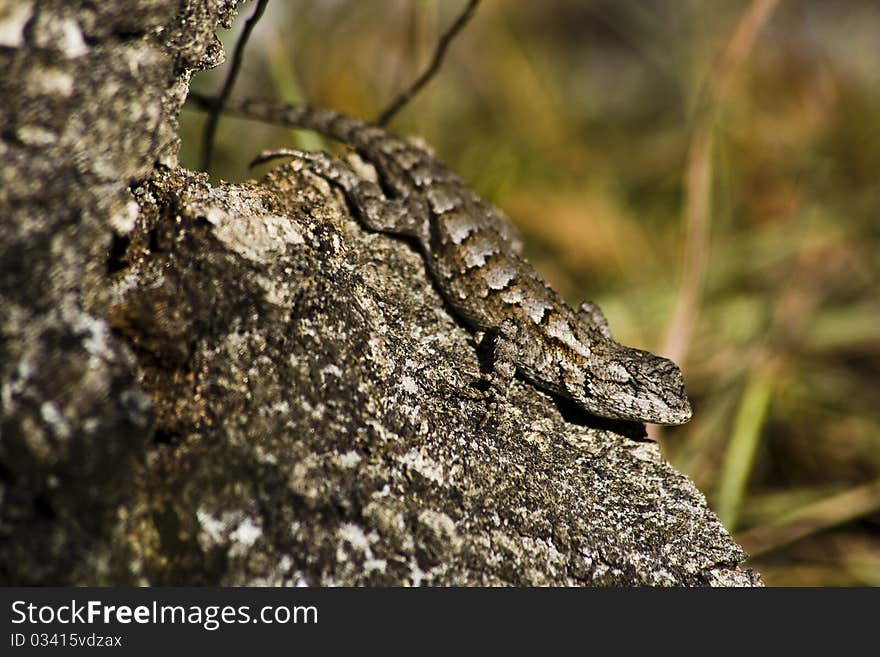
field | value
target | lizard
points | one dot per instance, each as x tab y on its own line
474	255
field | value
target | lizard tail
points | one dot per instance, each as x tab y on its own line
324	121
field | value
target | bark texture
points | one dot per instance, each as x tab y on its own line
237	384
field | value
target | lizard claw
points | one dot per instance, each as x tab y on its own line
480	387
490	412
489	396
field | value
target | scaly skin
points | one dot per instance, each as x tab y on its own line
474	255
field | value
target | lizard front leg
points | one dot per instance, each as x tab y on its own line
374	209
503	366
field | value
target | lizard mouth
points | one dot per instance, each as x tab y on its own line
654	409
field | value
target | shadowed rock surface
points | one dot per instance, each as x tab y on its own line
237	384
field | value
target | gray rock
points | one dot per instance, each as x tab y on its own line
237	384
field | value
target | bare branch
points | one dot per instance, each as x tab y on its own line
210	130
439	53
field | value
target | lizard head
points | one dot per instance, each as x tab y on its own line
632	384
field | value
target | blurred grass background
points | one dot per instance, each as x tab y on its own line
715	190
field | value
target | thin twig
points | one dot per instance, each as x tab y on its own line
439	53
210	130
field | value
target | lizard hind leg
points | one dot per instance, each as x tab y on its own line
375	210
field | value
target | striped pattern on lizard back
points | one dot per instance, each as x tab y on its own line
474	255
